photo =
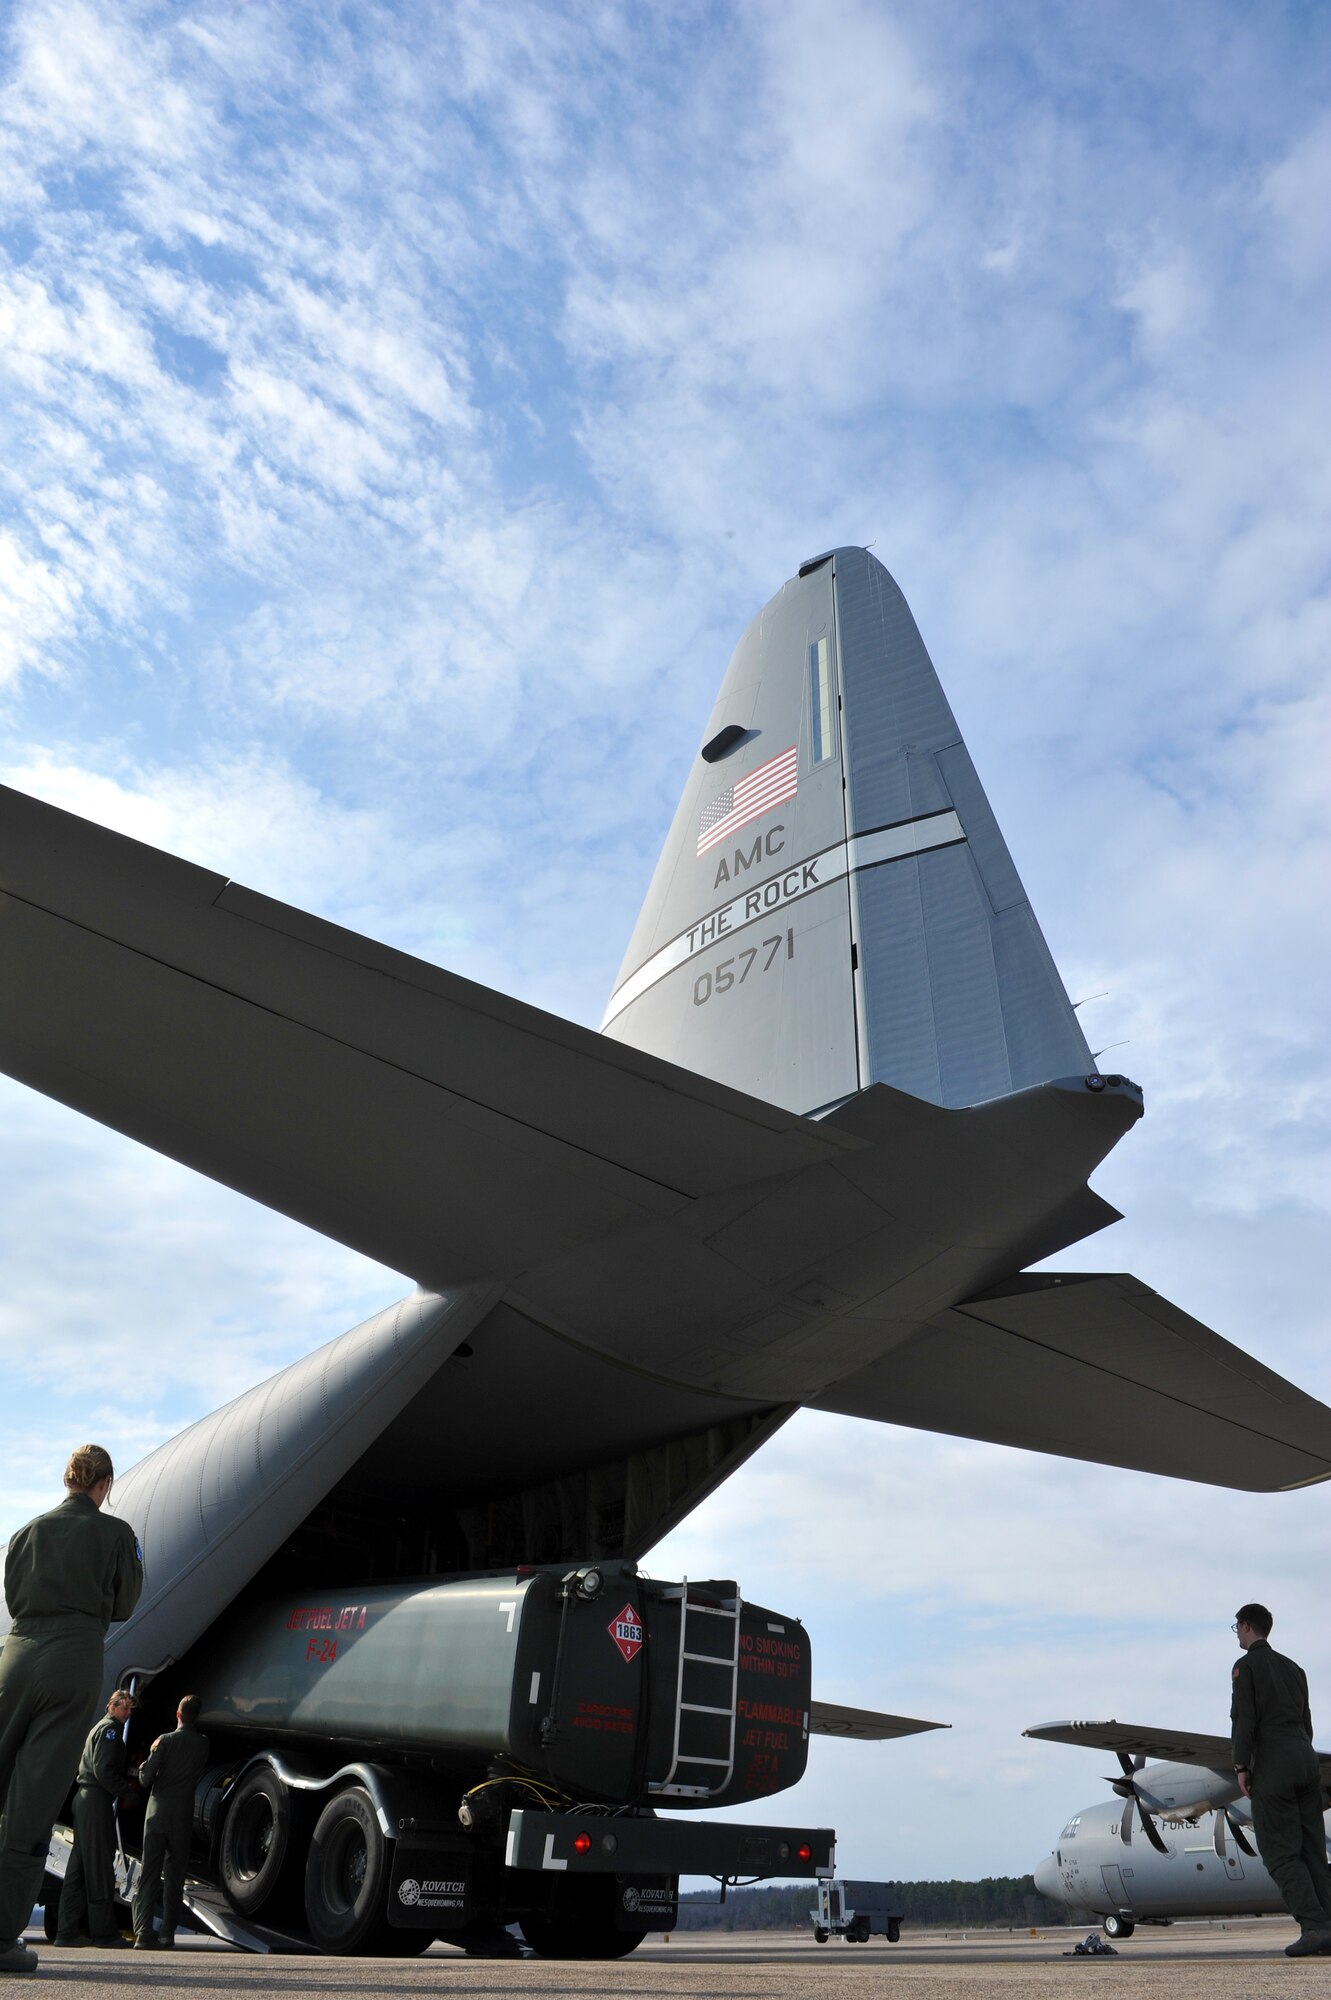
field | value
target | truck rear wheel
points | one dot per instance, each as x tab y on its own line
551	1938
346	1878
256	1840
581	1924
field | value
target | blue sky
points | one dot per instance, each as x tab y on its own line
402	411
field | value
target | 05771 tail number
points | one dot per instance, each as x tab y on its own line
724	976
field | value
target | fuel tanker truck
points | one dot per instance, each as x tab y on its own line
508	1740
441	1760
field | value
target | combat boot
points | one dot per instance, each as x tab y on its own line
16	1957
1311	1944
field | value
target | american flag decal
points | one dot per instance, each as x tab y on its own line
748	798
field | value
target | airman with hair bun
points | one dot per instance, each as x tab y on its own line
88	1465
68	1575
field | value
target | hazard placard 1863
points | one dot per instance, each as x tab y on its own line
625	1628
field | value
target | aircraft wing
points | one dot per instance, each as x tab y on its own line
1176	1746
867	1725
446	1130
1096	1366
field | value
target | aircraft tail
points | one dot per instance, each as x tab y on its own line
835	905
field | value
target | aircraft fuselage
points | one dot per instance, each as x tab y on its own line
1092	1869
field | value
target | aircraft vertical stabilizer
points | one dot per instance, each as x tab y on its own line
835	905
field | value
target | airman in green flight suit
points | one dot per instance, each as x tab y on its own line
87	1899
172	1768
1278	1769
68	1574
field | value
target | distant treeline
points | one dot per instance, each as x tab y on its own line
995	1902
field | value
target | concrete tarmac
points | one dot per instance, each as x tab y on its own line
1238	1960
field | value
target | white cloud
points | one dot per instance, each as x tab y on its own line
253	820
36	603
1168	303
1294	193
84	79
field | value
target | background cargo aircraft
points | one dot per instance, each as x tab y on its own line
840	1102
1176	1840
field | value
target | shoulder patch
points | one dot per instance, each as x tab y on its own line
1237	1664
138	1550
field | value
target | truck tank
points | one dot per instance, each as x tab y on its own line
603	1684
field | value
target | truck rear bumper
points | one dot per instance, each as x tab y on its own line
602	1844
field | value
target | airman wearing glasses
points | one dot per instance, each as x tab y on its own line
1277	1768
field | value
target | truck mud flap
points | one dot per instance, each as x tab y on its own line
430	1885
602	1844
647	1902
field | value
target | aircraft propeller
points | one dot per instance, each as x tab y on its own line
1129	1790
1225	1818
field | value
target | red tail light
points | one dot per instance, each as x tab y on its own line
804	1851
582	1843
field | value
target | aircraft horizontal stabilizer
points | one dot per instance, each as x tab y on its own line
867	1725
446	1130
1097	1366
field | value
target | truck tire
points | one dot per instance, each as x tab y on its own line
395	1943
615	1944
551	1938
820	1936
346	1880
893	1931
256	1840
581	1925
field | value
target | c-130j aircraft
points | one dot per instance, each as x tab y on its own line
839	1103
1176	1840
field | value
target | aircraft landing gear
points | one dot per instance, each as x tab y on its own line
1118	1927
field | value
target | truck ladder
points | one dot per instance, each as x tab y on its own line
702	1720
